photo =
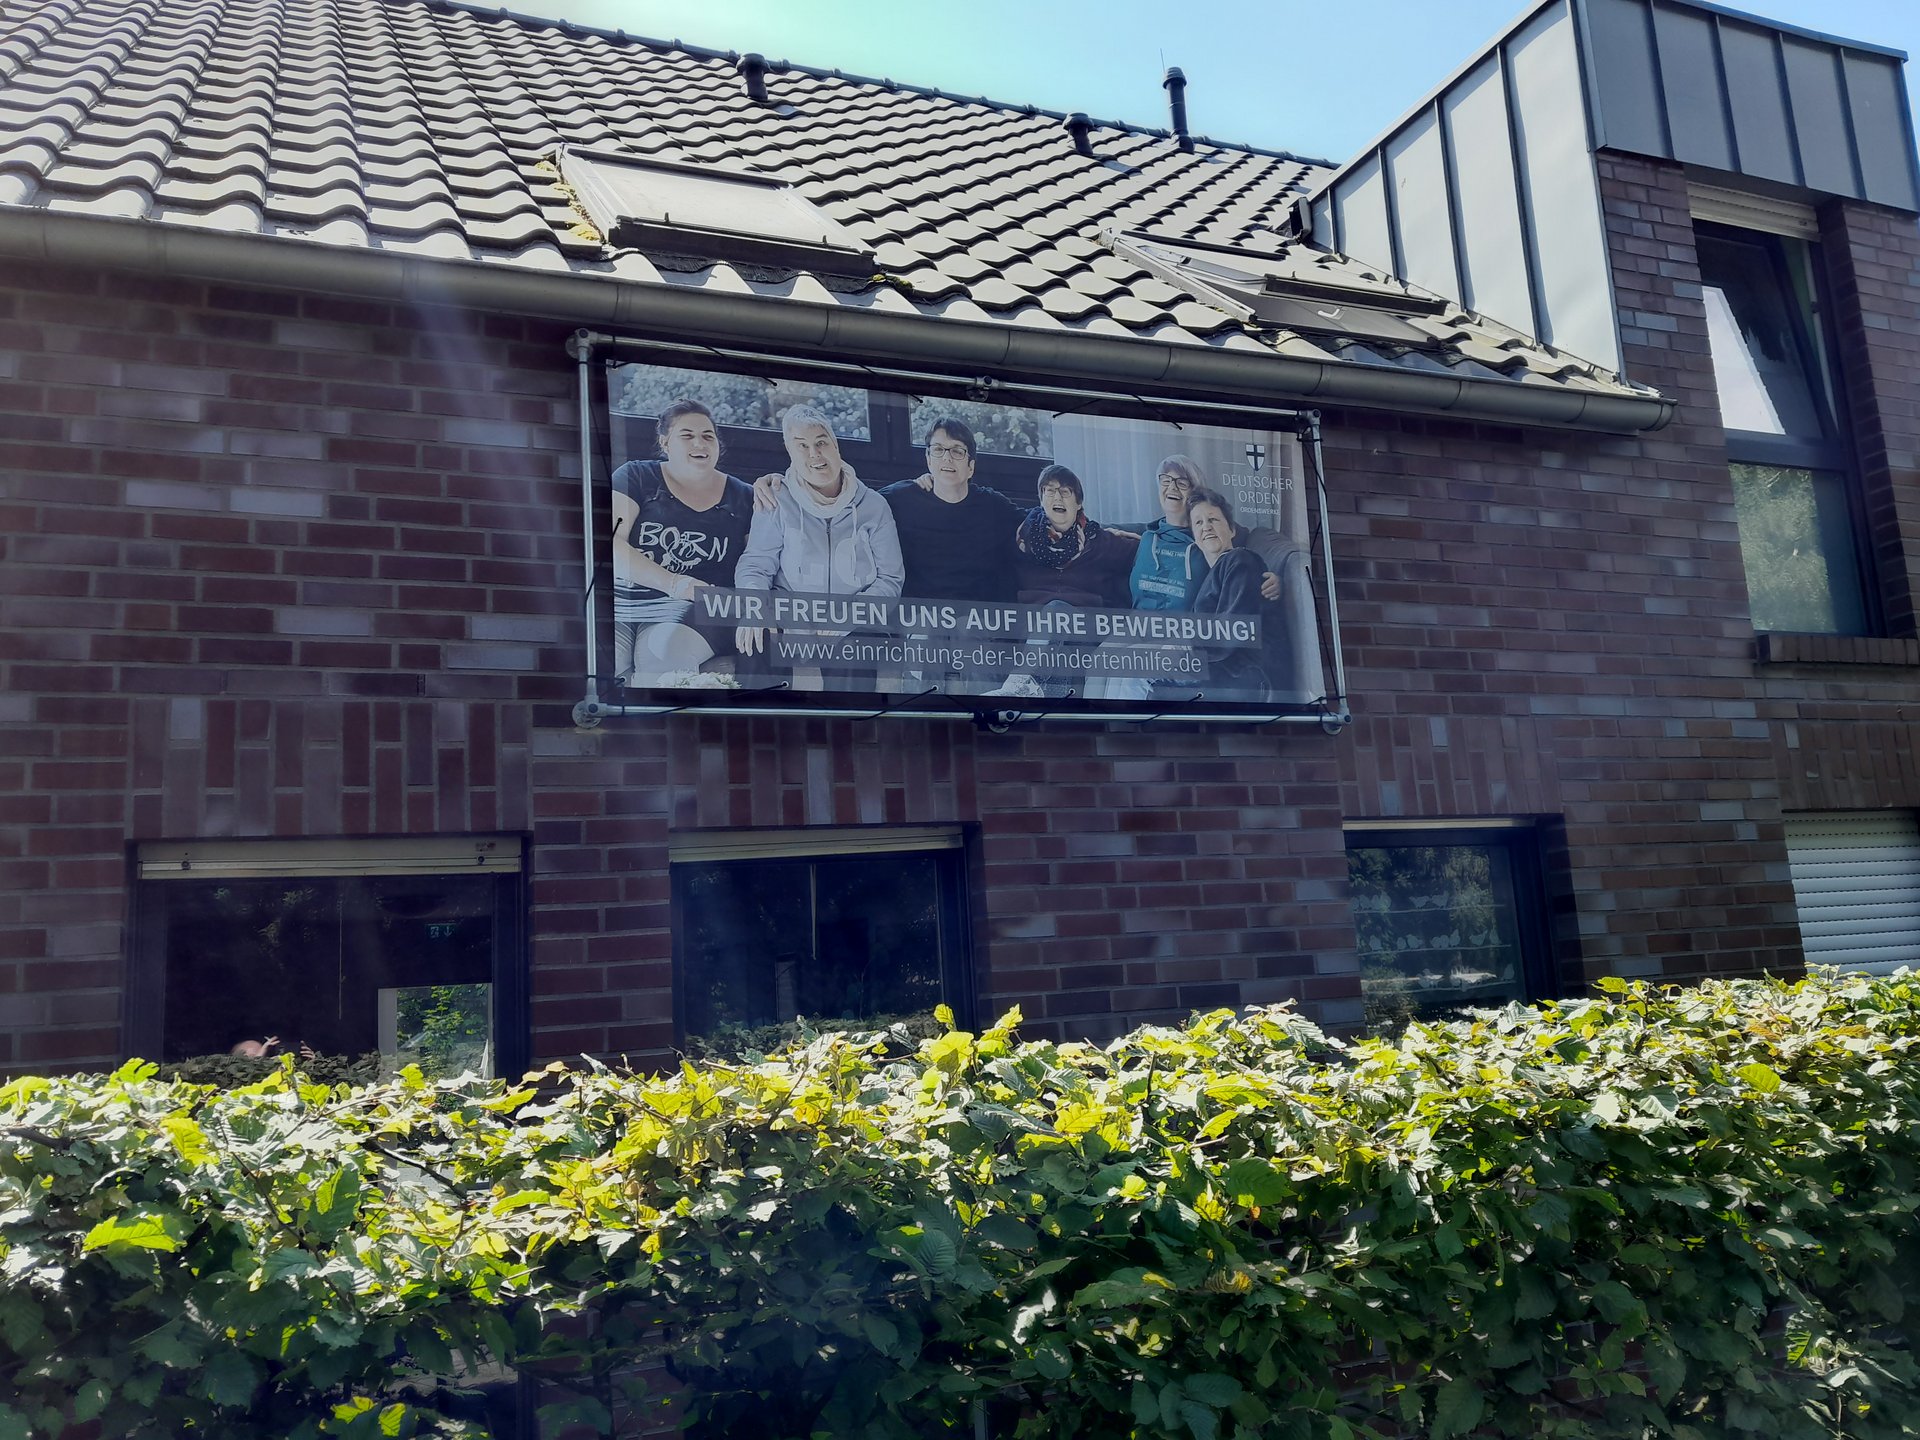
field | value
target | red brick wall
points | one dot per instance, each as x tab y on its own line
1873	270
1831	712
280	565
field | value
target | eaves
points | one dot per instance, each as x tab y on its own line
1244	373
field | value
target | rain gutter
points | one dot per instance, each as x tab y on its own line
692	312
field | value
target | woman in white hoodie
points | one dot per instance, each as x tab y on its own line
826	534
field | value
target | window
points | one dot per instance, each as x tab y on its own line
774	926
1446	919
710	212
1856	886
410	948
740	401
1792	488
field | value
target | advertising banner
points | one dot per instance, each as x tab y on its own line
782	535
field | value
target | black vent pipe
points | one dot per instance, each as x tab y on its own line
1176	87
754	68
1078	126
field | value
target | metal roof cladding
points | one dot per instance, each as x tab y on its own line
410	147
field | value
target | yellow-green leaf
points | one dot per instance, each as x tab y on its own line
144	1229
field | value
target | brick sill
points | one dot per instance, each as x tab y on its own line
1837	650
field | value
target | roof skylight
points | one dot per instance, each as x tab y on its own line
1288	289
735	215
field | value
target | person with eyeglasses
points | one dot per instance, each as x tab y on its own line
1165	568
1169	569
956	538
1067	560
1067	556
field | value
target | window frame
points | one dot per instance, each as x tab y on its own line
1523	841
949	846
332	859
1817	341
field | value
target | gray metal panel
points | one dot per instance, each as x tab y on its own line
1771	102
1760	125
1487	197
1881	129
1629	110
1323	232
1417	173
1361	201
1690	83
1562	191
1820	120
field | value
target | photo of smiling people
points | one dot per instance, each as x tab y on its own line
1258	474
1066	559
679	523
825	532
945	548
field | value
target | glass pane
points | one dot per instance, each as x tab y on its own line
1760	339
444	1029
249	960
746	936
304	963
879	938
1796	541
764	942
1437	927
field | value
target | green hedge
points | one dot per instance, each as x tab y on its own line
1684	1213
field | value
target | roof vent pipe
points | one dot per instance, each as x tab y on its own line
754	68
1176	87
1079	126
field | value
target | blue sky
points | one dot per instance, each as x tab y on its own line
1317	77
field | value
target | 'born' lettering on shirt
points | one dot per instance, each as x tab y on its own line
680	550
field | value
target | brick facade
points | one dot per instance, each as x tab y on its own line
284	565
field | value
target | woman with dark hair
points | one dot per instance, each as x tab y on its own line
1066	559
679	525
1064	555
1231	586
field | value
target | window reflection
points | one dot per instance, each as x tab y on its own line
1442	926
341	966
1761	336
1796	542
766	942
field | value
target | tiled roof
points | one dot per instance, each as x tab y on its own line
431	128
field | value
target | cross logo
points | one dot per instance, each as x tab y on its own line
1256	454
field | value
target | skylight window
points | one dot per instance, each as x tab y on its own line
1285	289
704	210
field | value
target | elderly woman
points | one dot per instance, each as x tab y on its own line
1064	555
679	524
1231	586
825	533
1165	567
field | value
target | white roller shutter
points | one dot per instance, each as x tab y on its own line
1856	884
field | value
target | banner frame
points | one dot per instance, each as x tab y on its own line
595	354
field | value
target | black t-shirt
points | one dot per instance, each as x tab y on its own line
955	550
705	544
